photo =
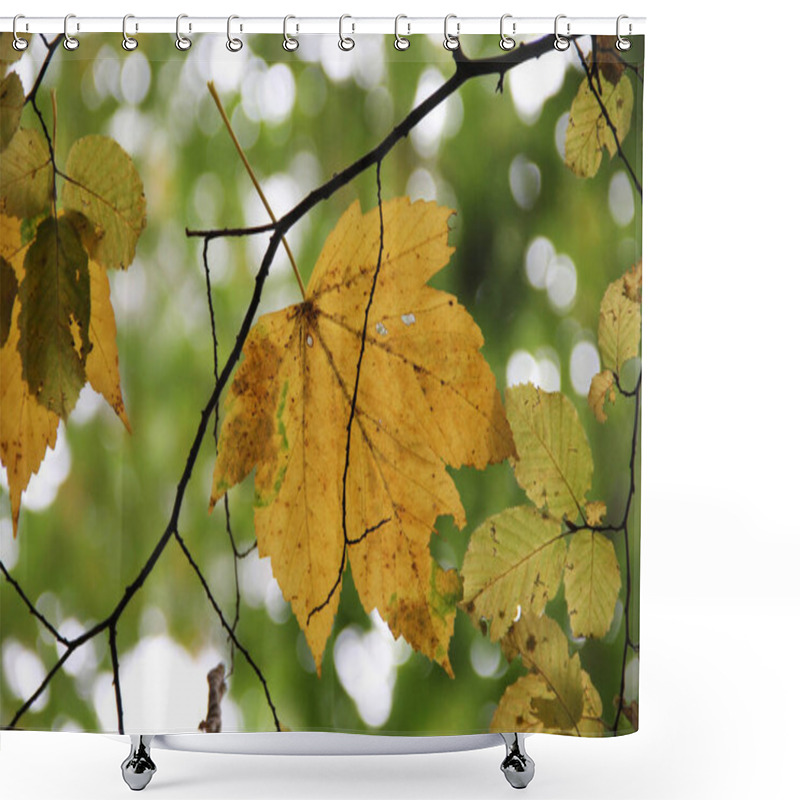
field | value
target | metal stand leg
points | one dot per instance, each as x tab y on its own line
517	766
138	768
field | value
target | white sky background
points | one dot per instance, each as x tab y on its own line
720	539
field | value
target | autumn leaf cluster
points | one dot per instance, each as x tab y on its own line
62	230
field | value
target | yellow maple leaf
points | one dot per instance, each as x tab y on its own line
350	405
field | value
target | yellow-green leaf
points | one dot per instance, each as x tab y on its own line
514	564
8	54
588	131
12	99
26	175
601	389
555	465
54	315
103	185
591	723
619	329
550	698
27	429
591	583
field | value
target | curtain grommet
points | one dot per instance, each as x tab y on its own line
346	43
233	44
561	43
128	42
401	43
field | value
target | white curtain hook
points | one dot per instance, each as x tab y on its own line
623	44
70	42
233	44
450	41
400	42
19	44
561	43
290	44
345	42
507	42
128	42
182	42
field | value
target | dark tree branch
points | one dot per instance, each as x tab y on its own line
31	607
51	48
112	646
216	233
629	643
595	91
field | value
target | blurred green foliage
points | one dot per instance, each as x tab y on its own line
76	556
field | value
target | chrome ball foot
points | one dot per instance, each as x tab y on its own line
138	768
517	766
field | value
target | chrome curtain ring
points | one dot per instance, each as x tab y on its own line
345	42
128	42
70	42
560	43
623	44
182	42
290	44
19	44
400	42
233	44
451	42
507	42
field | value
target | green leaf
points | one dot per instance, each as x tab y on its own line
588	130
619	330
555	462
54	316
104	186
591	583
8	294
12	99
8	55
550	698
26	175
515	559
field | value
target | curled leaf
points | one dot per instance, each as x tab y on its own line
600	390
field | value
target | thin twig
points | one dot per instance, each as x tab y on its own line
42	619
264	201
228	628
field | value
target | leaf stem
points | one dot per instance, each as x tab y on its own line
220	108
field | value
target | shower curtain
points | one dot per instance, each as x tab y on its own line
321	384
